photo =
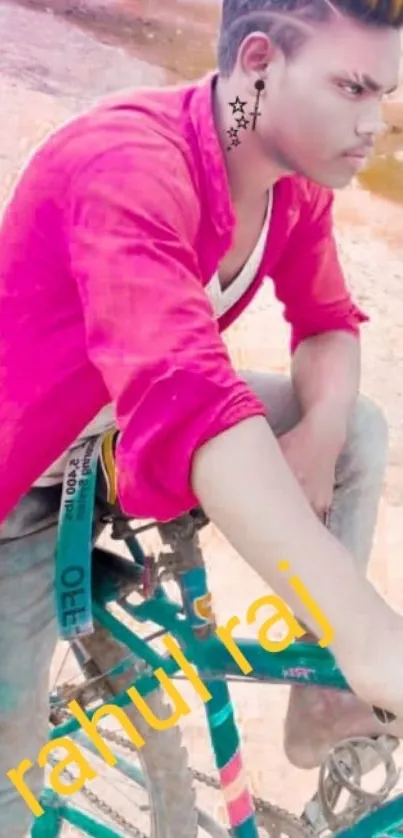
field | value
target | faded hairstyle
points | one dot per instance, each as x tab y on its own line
288	22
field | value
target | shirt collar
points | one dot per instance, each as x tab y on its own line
216	185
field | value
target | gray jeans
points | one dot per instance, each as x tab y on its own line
27	543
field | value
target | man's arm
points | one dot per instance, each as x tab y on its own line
247	488
325	344
310	282
248	491
326	375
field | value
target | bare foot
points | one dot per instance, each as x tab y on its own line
318	718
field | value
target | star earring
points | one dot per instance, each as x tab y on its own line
259	87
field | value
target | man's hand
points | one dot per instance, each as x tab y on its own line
311	450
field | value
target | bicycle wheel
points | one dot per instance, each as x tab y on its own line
164	763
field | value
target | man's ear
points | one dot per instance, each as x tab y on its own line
256	53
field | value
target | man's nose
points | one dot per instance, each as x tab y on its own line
371	125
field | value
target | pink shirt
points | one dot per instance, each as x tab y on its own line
116	225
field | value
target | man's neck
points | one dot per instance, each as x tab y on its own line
250	174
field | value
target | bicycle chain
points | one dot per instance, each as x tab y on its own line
262	806
293	826
103	807
108	810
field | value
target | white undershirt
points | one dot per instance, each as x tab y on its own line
222	300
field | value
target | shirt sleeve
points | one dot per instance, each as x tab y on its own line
150	329
309	280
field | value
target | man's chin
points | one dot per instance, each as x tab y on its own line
333	180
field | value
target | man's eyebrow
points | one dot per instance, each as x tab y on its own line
370	84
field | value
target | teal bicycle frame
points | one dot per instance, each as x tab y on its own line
299	663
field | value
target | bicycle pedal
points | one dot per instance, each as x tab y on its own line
369	758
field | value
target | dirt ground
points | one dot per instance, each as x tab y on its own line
49	69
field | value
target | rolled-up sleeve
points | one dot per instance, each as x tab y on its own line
309	280
150	329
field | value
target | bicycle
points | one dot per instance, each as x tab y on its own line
113	658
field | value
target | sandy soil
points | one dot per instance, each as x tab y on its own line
58	70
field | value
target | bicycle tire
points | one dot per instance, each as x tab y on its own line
163	757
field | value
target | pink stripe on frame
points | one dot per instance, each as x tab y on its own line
241	809
231	770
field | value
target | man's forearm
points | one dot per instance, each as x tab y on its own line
247	489
326	376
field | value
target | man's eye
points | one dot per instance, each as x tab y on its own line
353	88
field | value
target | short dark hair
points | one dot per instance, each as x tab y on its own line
284	21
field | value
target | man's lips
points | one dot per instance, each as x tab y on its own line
359	153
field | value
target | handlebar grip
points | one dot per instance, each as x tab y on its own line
384	716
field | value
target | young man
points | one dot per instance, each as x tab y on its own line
136	235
